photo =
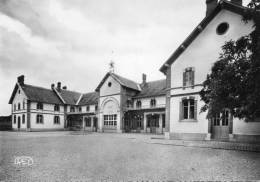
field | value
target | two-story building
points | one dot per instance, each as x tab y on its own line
187	69
117	105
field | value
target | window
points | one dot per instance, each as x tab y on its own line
128	103
14	119
39	119
110	120
19	106
138	104
14	107
222	28
109	84
87	109
221	118
72	109
39	105
188	109
56	120
19	91
96	107
88	122
153	103
225	118
216	120
80	109
56	107
23	104
23	119
188	77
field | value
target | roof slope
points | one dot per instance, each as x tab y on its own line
89	99
126	82
39	94
70	97
222	5
122	81
151	89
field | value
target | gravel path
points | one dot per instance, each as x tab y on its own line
63	156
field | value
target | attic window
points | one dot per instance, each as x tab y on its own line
222	28
19	91
109	84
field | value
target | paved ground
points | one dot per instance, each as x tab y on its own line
63	156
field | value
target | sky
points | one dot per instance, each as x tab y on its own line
73	41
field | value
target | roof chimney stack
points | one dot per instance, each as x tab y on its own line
52	86
237	2
144	79
20	80
64	87
211	5
59	86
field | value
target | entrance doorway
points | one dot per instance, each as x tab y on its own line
153	122
19	123
220	125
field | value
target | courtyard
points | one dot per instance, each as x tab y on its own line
76	156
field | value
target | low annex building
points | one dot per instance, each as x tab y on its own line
170	106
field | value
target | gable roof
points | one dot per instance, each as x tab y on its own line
121	80
37	94
153	88
202	25
89	99
70	97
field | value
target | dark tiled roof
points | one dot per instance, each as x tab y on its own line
70	97
122	81
39	94
203	24
151	89
126	82
89	99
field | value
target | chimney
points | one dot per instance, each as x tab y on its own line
52	86
144	79
237	2
211	5
20	80
64	87
59	86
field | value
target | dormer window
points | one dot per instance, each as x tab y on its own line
138	104
80	109
129	103
72	109
23	104
188	77
14	107
153	103
87	108
56	107
96	107
39	105
19	106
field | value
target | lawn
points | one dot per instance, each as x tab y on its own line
65	156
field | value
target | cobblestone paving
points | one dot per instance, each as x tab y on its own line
66	156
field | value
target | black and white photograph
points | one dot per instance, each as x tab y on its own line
129	90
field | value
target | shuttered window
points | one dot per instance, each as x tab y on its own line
188	77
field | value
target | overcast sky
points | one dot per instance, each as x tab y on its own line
73	41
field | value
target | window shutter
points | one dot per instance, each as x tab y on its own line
195	109
184	79
180	112
192	78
